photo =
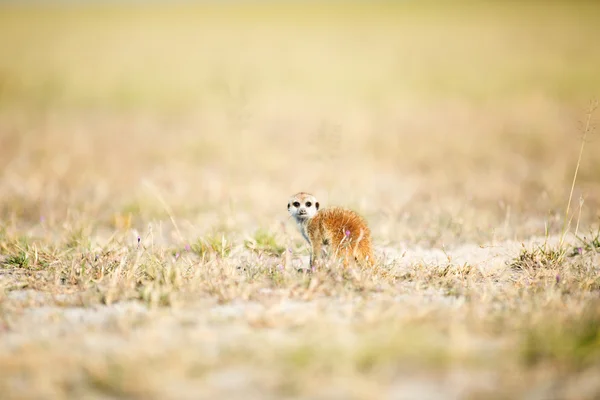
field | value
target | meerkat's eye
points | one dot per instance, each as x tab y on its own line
308	204
296	204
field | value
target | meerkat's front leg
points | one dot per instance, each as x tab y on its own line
316	250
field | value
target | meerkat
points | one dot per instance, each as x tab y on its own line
343	230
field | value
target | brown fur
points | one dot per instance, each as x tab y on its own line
345	231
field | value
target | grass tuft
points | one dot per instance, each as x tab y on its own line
264	241
541	257
19	260
212	245
587	244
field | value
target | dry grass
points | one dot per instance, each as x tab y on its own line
146	154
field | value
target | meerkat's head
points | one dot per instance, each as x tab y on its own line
303	206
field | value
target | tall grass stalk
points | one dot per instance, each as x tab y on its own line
586	131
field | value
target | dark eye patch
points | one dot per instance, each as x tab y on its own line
296	204
308	204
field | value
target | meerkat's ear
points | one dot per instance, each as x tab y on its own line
317	205
288	206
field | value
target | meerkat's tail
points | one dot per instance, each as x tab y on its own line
363	254
356	249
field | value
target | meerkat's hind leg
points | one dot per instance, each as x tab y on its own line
316	253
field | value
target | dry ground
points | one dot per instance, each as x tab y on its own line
147	153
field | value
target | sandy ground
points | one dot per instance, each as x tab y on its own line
204	328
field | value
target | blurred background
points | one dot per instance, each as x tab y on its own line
441	121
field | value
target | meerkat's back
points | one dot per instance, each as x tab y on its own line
345	231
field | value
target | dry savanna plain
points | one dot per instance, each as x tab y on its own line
147	153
